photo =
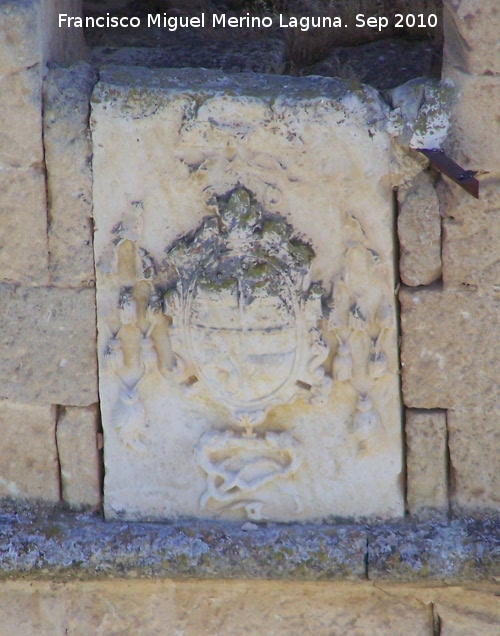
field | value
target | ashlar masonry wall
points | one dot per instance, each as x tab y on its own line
47	312
448	266
450	321
50	442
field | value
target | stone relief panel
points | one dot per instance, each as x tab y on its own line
247	333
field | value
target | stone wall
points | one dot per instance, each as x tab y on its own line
450	351
50	447
47	348
243	607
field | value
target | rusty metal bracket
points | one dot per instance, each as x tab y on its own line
464	178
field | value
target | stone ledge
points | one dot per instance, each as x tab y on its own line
459	549
49	543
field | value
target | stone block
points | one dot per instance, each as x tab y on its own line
79	456
464	611
232	384
21	121
20	38
450	348
471	41
474	440
426	461
28	454
471	237
450	354
47	345
69	177
23	227
191	608
419	232
30	34
475	119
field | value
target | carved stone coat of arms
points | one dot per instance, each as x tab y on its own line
231	324
245	283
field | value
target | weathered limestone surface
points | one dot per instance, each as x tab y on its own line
468	612
192	608
419	231
450	357
21	124
77	446
458	611
19	35
450	350
245	297
217	607
87	547
474	441
471	36
461	549
30	35
471	238
69	177
23	227
475	119
419	119
28	455
105	567
23	215
47	345
426	461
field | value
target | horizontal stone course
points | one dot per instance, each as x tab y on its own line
48	345
225	608
86	547
246	608
459	549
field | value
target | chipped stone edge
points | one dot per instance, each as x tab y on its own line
51	543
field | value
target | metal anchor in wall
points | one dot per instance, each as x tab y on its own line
466	179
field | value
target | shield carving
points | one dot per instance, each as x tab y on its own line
243	338
244	313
